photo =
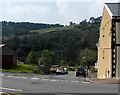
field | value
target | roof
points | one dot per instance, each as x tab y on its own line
114	8
6	50
1	45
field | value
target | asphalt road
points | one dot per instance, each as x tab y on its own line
57	84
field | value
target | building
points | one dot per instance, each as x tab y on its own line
109	42
8	57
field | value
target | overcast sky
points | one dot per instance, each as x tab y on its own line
52	11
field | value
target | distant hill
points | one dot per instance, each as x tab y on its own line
23	28
69	43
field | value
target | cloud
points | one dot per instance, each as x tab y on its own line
64	10
51	12
72	11
97	7
25	12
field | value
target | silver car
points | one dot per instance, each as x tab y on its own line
60	71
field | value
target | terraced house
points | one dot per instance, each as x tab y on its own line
109	42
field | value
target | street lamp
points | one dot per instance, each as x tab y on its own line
87	62
84	61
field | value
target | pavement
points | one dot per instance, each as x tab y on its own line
93	79
111	81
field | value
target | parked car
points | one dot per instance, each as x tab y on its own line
60	71
81	72
66	70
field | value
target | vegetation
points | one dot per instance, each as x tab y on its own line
23	68
48	60
74	44
23	28
42	31
32	58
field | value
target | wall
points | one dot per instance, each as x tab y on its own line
118	32
7	51
12	56
118	50
104	48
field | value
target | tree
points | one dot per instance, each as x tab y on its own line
48	58
88	57
92	20
84	22
62	62
98	19
21	54
84	42
32	58
71	23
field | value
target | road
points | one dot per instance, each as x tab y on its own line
57	84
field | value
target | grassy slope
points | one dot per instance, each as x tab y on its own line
92	33
53	29
41	31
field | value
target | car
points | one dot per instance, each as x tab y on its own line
66	70
60	71
80	72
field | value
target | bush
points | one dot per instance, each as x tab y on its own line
38	71
94	70
71	68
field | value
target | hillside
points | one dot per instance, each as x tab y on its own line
69	43
23	28
41	31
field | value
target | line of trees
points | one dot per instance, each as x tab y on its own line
23	28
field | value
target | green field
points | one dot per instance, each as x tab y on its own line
41	31
22	68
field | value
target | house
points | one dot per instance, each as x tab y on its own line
109	42
8	57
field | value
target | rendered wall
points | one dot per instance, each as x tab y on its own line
104	48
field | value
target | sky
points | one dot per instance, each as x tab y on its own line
51	11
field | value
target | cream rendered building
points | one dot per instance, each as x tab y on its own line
109	42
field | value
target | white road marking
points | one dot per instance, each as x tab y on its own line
85	82
35	78
54	80
44	79
10	89
9	76
88	80
2	74
17	77
74	81
79	78
23	77
64	80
